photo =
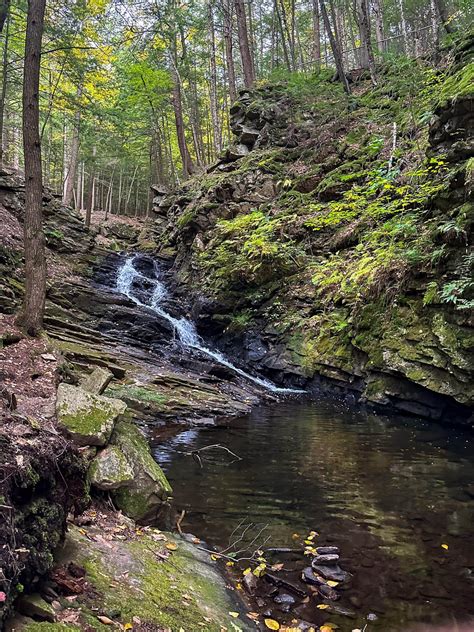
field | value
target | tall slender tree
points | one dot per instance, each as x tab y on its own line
245	51
32	313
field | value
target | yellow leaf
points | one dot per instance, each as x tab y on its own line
214	557
234	614
247	571
445	547
128	626
295	536
328	627
238	586
332	583
172	546
272	624
229	563
322	606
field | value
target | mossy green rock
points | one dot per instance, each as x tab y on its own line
88	418
184	591
145	498
35	606
110	469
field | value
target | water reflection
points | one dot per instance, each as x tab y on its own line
388	493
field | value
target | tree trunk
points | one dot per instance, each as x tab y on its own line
379	29
403	23
445	18
316	34
74	157
216	134
335	49
32	313
3	97
365	38
188	167
282	35
4	10
245	52
229	54
91	196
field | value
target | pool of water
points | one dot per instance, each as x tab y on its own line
390	493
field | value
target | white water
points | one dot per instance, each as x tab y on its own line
184	328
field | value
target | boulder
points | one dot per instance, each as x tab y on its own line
97	381
36	607
89	419
110	469
145	497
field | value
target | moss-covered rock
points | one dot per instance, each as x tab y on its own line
110	469
145	498
88	418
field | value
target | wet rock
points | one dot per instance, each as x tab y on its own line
328	593
110	469
329	559
97	381
285	599
310	577
89	419
333	573
36	607
341	611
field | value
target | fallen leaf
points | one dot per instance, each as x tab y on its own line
171	546
230	563
277	567
247	571
128	626
272	624
234	614
445	547
332	583
322	606
215	557
105	620
252	615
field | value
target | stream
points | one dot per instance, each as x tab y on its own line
389	493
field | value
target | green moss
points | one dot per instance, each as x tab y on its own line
147	394
180	593
86	422
48	627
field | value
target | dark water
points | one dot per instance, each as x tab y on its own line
388	493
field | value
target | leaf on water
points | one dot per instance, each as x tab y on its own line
234	615
322	606
332	583
171	546
328	627
272	624
445	547
295	536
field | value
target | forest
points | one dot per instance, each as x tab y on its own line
236	315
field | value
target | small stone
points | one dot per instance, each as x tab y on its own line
328	593
284	598
309	576
97	381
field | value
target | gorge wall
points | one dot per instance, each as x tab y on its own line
331	246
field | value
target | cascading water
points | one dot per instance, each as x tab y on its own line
184	328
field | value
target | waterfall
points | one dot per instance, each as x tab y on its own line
185	329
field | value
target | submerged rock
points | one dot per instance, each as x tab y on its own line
110	469
89	419
145	497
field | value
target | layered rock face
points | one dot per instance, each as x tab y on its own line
331	246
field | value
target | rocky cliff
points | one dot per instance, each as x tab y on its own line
331	246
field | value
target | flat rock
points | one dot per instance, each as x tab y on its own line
329	559
97	381
327	550
310	577
328	593
334	573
